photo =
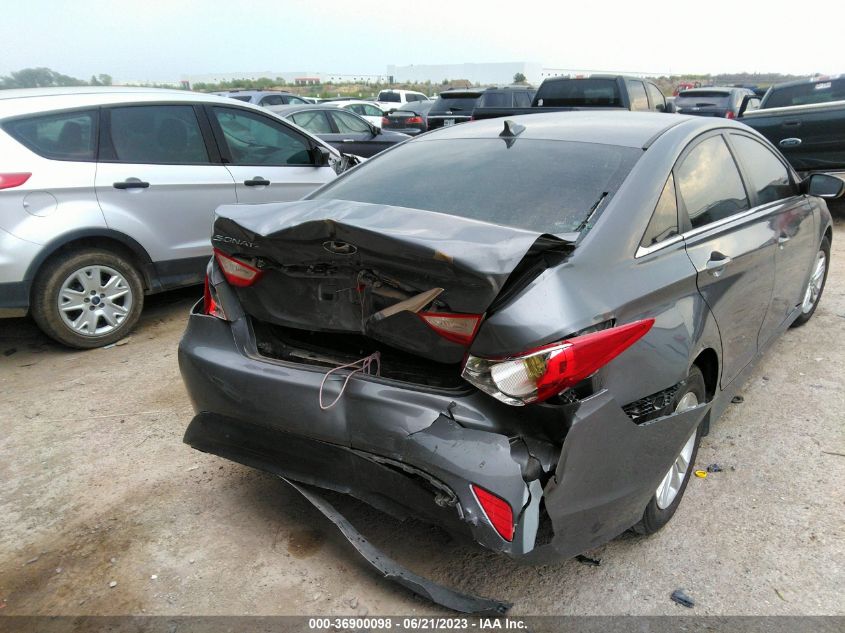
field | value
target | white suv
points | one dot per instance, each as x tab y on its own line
390	100
109	193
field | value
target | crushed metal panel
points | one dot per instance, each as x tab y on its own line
390	569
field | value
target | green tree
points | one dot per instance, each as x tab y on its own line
38	78
519	78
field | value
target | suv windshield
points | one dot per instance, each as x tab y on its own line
820	91
573	93
455	103
389	96
546	186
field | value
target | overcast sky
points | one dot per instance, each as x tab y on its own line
162	40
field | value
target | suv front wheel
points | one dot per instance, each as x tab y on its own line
87	298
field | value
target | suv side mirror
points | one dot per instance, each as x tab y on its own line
670	108
824	186
321	156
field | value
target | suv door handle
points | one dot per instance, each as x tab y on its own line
131	183
716	264
348	140
257	181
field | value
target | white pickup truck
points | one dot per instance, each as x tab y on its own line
390	100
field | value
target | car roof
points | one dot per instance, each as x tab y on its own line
451	92
621	128
252	93
724	89
33	100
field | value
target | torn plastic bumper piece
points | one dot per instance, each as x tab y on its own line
390	569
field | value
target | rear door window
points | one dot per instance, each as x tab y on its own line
636	94
272	100
154	135
657	99
253	139
769	177
522	99
709	183
64	136
370	110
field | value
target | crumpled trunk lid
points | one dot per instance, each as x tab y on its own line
339	266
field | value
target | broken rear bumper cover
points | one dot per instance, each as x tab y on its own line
409	451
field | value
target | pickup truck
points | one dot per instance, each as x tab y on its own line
805	119
607	92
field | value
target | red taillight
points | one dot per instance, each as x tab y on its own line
7	181
458	328
237	272
209	302
414	120
385	121
544	372
730	115
497	510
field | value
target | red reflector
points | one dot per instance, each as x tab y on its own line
458	328
385	121
416	120
237	272
209	302
730	115
497	510
7	181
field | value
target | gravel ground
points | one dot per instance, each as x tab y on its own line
104	511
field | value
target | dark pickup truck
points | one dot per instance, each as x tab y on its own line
608	92
806	120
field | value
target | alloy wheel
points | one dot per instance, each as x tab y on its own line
815	284
94	300
674	479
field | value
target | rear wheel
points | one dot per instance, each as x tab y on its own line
671	489
815	285
87	298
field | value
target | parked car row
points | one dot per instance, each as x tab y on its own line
109	193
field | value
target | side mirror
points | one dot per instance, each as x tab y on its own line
824	186
321	156
376	130
671	108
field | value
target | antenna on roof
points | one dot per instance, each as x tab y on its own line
512	129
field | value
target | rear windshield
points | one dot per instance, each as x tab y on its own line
458	103
816	92
703	99
579	92
391	97
545	186
496	100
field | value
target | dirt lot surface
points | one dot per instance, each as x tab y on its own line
103	509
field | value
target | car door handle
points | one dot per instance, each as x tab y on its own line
792	124
258	181
131	183
790	142
348	140
716	264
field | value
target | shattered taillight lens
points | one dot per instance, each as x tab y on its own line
544	372
210	305
458	328
237	272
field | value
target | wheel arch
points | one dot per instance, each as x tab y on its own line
107	239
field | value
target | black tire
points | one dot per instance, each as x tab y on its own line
48	285
824	247
655	517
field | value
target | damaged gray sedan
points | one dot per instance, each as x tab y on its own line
514	330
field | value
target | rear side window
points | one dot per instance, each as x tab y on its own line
768	175
314	121
546	186
664	222
272	100
522	99
371	110
347	123
65	136
495	100
709	184
295	101
636	93
161	134
579	92
821	91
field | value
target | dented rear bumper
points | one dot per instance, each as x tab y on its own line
410	451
